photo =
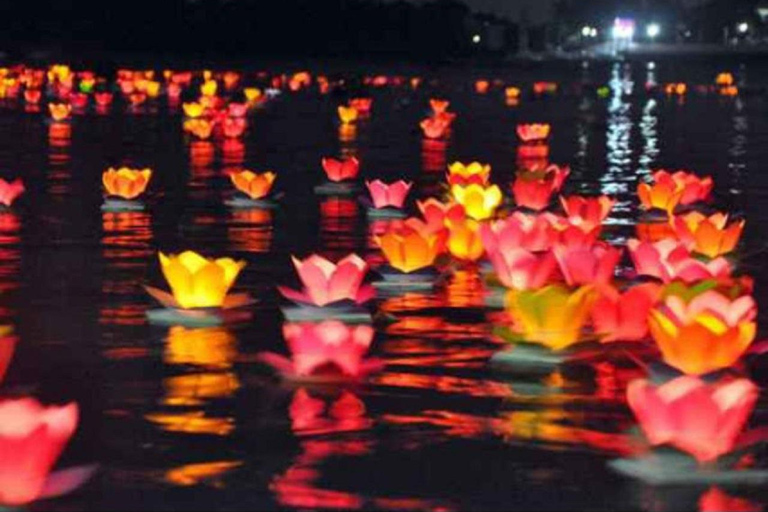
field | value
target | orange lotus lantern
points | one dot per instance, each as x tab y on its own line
623	316
552	316
341	170
434	127
326	283
439	215
197	282
588	265
710	236
482	86
255	186
533	132
724	79
512	93
439	106
9	191
466	174
479	202
59	111
347	114
664	194
209	88
126	183
390	195
200	128
464	242
193	110
695	189
587	210
410	245
533	189
700	418
252	94
702	331
362	105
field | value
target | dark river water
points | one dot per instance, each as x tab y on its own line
185	419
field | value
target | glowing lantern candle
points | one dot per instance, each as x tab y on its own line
587	210
59	111
32	438
623	316
326	283
464	242
702	419
479	202
710	236
695	189
198	282
410	246
552	316
664	194
126	183
341	170
9	191
533	132
702	332
255	186
587	265
347	114
467	174
388	195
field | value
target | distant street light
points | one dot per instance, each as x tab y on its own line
476	38
653	30
587	31
743	27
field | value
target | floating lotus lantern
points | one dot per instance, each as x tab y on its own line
587	210
336	287
530	232
200	128
724	79
103	99
663	194
512	96
388	198
252	94
587	265
255	186
362	105
199	289
468	174
520	269
439	215
347	114
623	315
10	191
479	202
695	189
435	127
439	106
193	110
482	86
32	96
533	189
123	186
533	132
340	173
237	110
700	418
32	438
59	111
464	242
670	259
325	351
541	88
710	236
702	331
552	316
209	88
411	248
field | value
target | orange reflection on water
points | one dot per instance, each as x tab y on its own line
127	237
10	255
715	500
449	384
339	225
465	289
251	230
348	134
464	426
193	422
210	347
433	155
204	472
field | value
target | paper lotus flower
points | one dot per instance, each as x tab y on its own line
362	105
587	265
533	131
530	232
664	194
198	282
623	316
519	269
32	438
9	191
699	418
464	241
552	316
200	128
587	210
126	183
694	188
330	347
410	246
255	186
347	115
103	99
32	96
388	195
326	283
710	236
533	189
464	175
59	111
670	259
438	215
479	202
482	86
233	127
340	170
439	106
434	127
705	332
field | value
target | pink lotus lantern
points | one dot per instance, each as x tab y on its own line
669	259
341	170
9	191
520	269
695	189
326	349
587	210
326	283
530	232
587	265
434	127
623	316
388	195
701	419
439	215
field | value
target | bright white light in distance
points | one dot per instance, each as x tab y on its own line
586	31
593	32
653	30
743	27
623	29
476	38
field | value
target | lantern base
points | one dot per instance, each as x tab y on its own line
122	205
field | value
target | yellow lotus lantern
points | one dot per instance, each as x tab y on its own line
711	236
410	247
196	281
478	201
126	183
209	88
464	241
347	115
255	186
193	110
252	94
552	316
